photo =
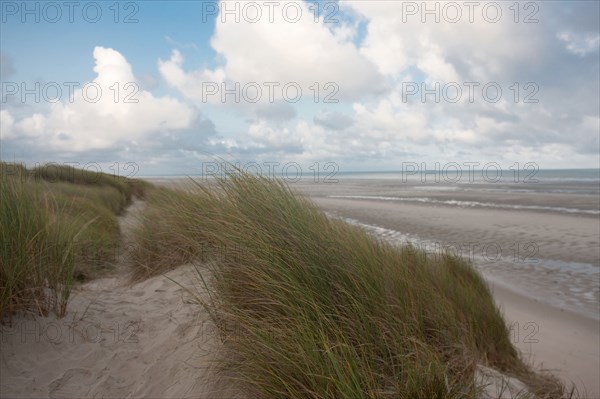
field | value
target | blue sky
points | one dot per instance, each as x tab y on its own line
372	58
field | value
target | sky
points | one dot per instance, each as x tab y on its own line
166	87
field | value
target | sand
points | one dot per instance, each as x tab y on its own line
563	342
567	237
116	341
147	340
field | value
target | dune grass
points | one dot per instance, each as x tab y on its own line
37	256
312	307
56	228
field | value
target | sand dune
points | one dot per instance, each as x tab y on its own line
567	338
147	340
151	340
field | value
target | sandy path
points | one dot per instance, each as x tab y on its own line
147	340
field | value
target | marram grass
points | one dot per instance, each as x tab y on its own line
310	307
57	225
36	255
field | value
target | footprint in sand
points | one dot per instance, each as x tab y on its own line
69	384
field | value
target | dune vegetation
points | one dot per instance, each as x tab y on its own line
305	306
58	225
311	307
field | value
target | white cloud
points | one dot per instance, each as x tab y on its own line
265	136
433	63
580	44
391	122
369	125
110	109
304	52
397	40
6	125
192	84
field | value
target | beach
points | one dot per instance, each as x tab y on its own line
537	245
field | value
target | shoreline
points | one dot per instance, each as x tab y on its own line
558	254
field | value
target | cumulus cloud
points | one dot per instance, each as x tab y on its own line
304	52
449	41
110	109
193	85
265	136
6	124
397	48
409	46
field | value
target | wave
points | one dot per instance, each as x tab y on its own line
470	204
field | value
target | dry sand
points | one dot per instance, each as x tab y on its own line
147	340
563	342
